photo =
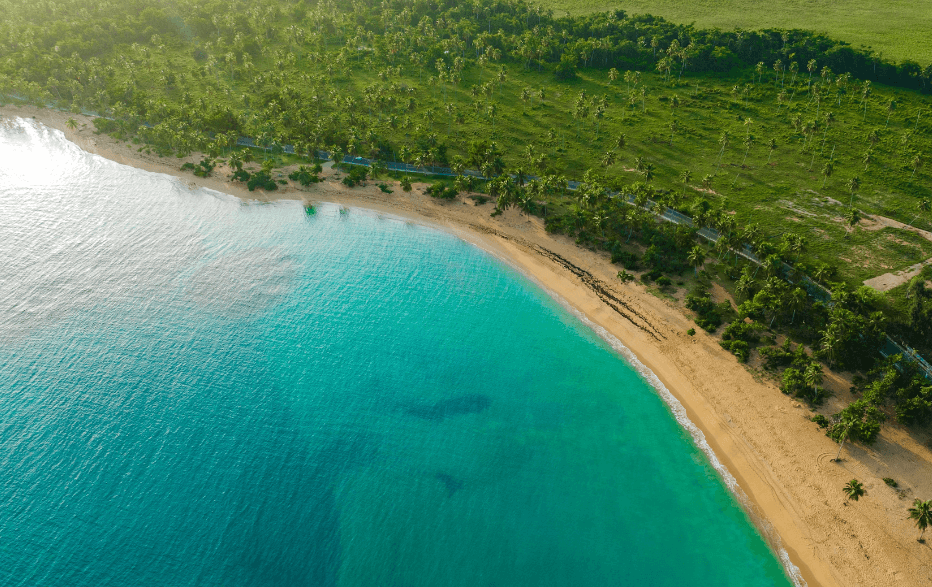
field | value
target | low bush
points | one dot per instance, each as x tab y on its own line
441	191
262	180
305	175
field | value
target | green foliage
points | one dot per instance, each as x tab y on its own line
305	175
709	315
384	188
892	29
691	332
202	169
261	180
821	420
406	184
850	341
860	421
624	276
441	191
890	482
355	176
739	337
627	259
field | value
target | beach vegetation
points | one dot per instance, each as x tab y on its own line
921	513
853	490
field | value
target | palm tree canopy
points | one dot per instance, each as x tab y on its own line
854	489
921	512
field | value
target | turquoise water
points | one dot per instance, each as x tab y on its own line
196	391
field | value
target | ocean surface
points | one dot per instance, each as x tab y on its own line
198	391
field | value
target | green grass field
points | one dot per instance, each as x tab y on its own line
898	29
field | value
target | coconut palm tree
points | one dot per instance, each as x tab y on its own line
868	158
723	141
853	184
621	141
845	424
853	490
917	164
922	513
648	172
72	123
813	373
924	206
827	171
696	257
608	159
852	217
891	106
707	182
772	145
685	177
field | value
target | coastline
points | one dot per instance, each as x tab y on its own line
762	438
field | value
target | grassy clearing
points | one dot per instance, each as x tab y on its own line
896	29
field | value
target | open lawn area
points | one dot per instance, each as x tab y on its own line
897	29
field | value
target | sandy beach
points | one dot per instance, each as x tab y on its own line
765	440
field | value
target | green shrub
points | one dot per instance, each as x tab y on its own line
691	332
305	175
406	184
890	482
263	180
355	176
442	191
821	420
624	276
627	259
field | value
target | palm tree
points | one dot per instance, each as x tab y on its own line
868	158
917	164
72	123
639	164
707	182
772	144
853	490
922	513
827	171
648	172
696	258
853	184
685	177
846	424
621	141
924	206
891	106
813	373
852	217
723	141
608	159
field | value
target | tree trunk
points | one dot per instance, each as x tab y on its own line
840	446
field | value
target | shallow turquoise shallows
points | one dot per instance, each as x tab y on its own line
197	391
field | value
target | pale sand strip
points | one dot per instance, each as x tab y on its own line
779	459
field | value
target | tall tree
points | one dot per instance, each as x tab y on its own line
921	512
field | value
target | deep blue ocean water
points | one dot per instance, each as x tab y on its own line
198	391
